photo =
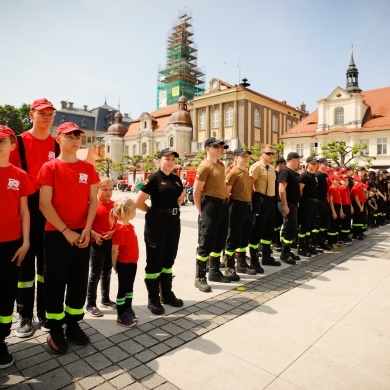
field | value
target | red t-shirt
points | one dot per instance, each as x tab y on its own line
101	223
71	184
37	153
357	191
345	195
335	192
125	237
14	184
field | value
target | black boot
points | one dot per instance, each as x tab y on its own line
200	278
277	245
254	260
321	242
302	249
230	271
267	259
312	250
167	295
286	254
242	266
215	275
314	244
154	304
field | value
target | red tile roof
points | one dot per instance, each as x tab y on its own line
377	117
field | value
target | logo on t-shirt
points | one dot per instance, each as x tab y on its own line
13	184
51	155
83	178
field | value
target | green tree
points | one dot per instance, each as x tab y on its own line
105	166
10	116
341	153
25	115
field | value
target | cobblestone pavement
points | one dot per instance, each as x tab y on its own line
120	361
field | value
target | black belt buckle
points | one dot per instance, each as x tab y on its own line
174	211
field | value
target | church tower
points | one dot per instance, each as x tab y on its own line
352	76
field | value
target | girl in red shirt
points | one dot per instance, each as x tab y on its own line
124	259
345	228
336	212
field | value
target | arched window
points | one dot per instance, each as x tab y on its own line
145	124
256	117
229	117
171	142
126	149
134	149
144	148
202	121
339	116
214	134
108	149
215	119
274	123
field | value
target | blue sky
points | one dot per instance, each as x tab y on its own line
87	50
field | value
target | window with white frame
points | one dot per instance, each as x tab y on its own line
144	148
126	149
339	116
229	117
256	117
274	123
202	121
134	149
382	146
314	148
215	119
288	127
365	151
158	145
299	149
171	142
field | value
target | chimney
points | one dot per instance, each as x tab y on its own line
63	104
85	108
126	115
70	105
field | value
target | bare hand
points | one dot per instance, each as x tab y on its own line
72	237
20	254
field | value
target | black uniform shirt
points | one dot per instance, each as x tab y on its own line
164	190
310	182
287	175
322	184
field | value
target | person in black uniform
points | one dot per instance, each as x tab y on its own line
162	230
308	208
289	195
280	163
318	238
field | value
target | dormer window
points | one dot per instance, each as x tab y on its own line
339	116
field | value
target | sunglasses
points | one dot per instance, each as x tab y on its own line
219	146
269	153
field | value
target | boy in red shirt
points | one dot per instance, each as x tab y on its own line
68	200
35	147
336	211
345	228
358	200
15	186
101	244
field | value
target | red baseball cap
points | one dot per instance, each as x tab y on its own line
357	178
329	169
334	177
68	127
40	104
6	131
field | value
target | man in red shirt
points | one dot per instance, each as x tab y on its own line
35	147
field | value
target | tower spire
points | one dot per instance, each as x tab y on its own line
352	76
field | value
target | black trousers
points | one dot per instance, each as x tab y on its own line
240	225
126	277
27	270
100	265
263	219
323	214
161	235
8	285
66	279
307	215
290	223
212	225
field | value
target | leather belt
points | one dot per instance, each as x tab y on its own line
173	211
214	199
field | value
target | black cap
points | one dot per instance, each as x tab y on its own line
311	159
214	141
349	168
280	160
292	155
323	160
361	169
167	152
241	151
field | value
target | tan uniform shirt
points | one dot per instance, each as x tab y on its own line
264	178
214	177
241	184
